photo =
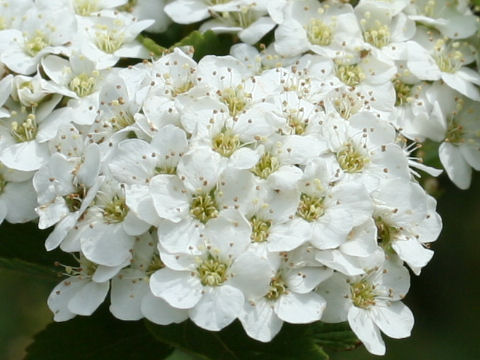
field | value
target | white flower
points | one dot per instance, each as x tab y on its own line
17	196
40	32
384	31
24	134
327	29
452	19
370	303
460	150
82	293
106	232
406	221
106	38
289	298
149	9
432	57
365	149
131	298
213	285
191	11
249	18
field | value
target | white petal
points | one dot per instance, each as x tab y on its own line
300	308
306	279
259	320
257	30
394	319
217	308
132	161
140	202
187	11
179	237
25	156
463	86
412	252
126	295
158	311
20	199
106	244
336	291
251	274
338	261
88	298
61	295
168	197
133	225
289	236
471	154
364	327
455	165
229	233
179	288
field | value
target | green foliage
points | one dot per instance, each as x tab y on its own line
207	43
99	336
27	242
299	342
24	268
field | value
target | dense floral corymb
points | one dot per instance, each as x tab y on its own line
268	186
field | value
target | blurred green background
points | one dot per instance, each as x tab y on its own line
445	298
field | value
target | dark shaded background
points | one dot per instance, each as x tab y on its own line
445	298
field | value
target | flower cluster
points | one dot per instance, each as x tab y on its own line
269	187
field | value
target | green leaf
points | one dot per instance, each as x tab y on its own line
300	342
151	45
99	336
33	271
27	242
207	43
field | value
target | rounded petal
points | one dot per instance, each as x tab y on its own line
366	330
179	288
300	308
394	319
218	307
160	312
259	320
126	295
88	298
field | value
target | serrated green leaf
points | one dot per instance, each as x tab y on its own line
337	337
33	271
27	242
299	342
99	336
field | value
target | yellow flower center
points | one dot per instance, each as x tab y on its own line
351	75
115	211
27	131
36	43
226	142
319	33
351	159
84	84
260	229
363	294
204	206
267	165
278	287
212	272
310	207
85	7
